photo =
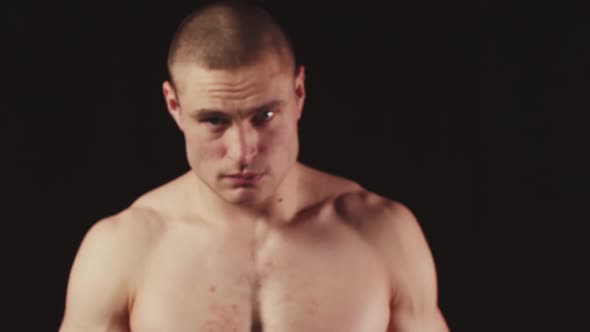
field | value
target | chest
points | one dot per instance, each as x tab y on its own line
314	280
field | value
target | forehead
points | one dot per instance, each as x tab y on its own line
247	86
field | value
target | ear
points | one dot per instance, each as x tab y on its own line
171	98
300	89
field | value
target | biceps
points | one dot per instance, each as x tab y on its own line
96	309
96	298
425	320
106	326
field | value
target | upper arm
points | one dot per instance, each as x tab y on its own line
98	287
401	242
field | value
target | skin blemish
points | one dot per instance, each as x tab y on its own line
243	280
212	288
312	308
211	325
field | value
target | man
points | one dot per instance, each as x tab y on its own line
249	239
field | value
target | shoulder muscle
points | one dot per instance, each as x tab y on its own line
100	285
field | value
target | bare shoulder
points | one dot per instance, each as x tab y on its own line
387	225
132	226
322	185
394	232
120	242
380	220
101	283
368	210
356	205
165	199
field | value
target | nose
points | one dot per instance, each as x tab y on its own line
242	144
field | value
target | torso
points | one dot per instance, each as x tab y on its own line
316	274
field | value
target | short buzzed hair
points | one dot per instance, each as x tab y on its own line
228	35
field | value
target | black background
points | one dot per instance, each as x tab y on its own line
470	114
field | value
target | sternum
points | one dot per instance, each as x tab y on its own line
262	264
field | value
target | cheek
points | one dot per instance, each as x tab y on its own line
280	140
200	149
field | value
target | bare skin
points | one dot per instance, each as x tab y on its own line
328	269
294	250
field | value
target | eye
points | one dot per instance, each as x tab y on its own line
263	117
215	122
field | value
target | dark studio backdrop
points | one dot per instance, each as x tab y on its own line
470	114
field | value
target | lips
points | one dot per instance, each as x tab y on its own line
243	175
244	178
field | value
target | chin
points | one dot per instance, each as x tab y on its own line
243	196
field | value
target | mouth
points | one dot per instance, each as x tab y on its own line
243	178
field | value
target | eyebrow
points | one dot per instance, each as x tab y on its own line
211	112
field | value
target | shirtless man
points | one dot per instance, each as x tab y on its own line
249	239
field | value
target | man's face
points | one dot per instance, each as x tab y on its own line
240	126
